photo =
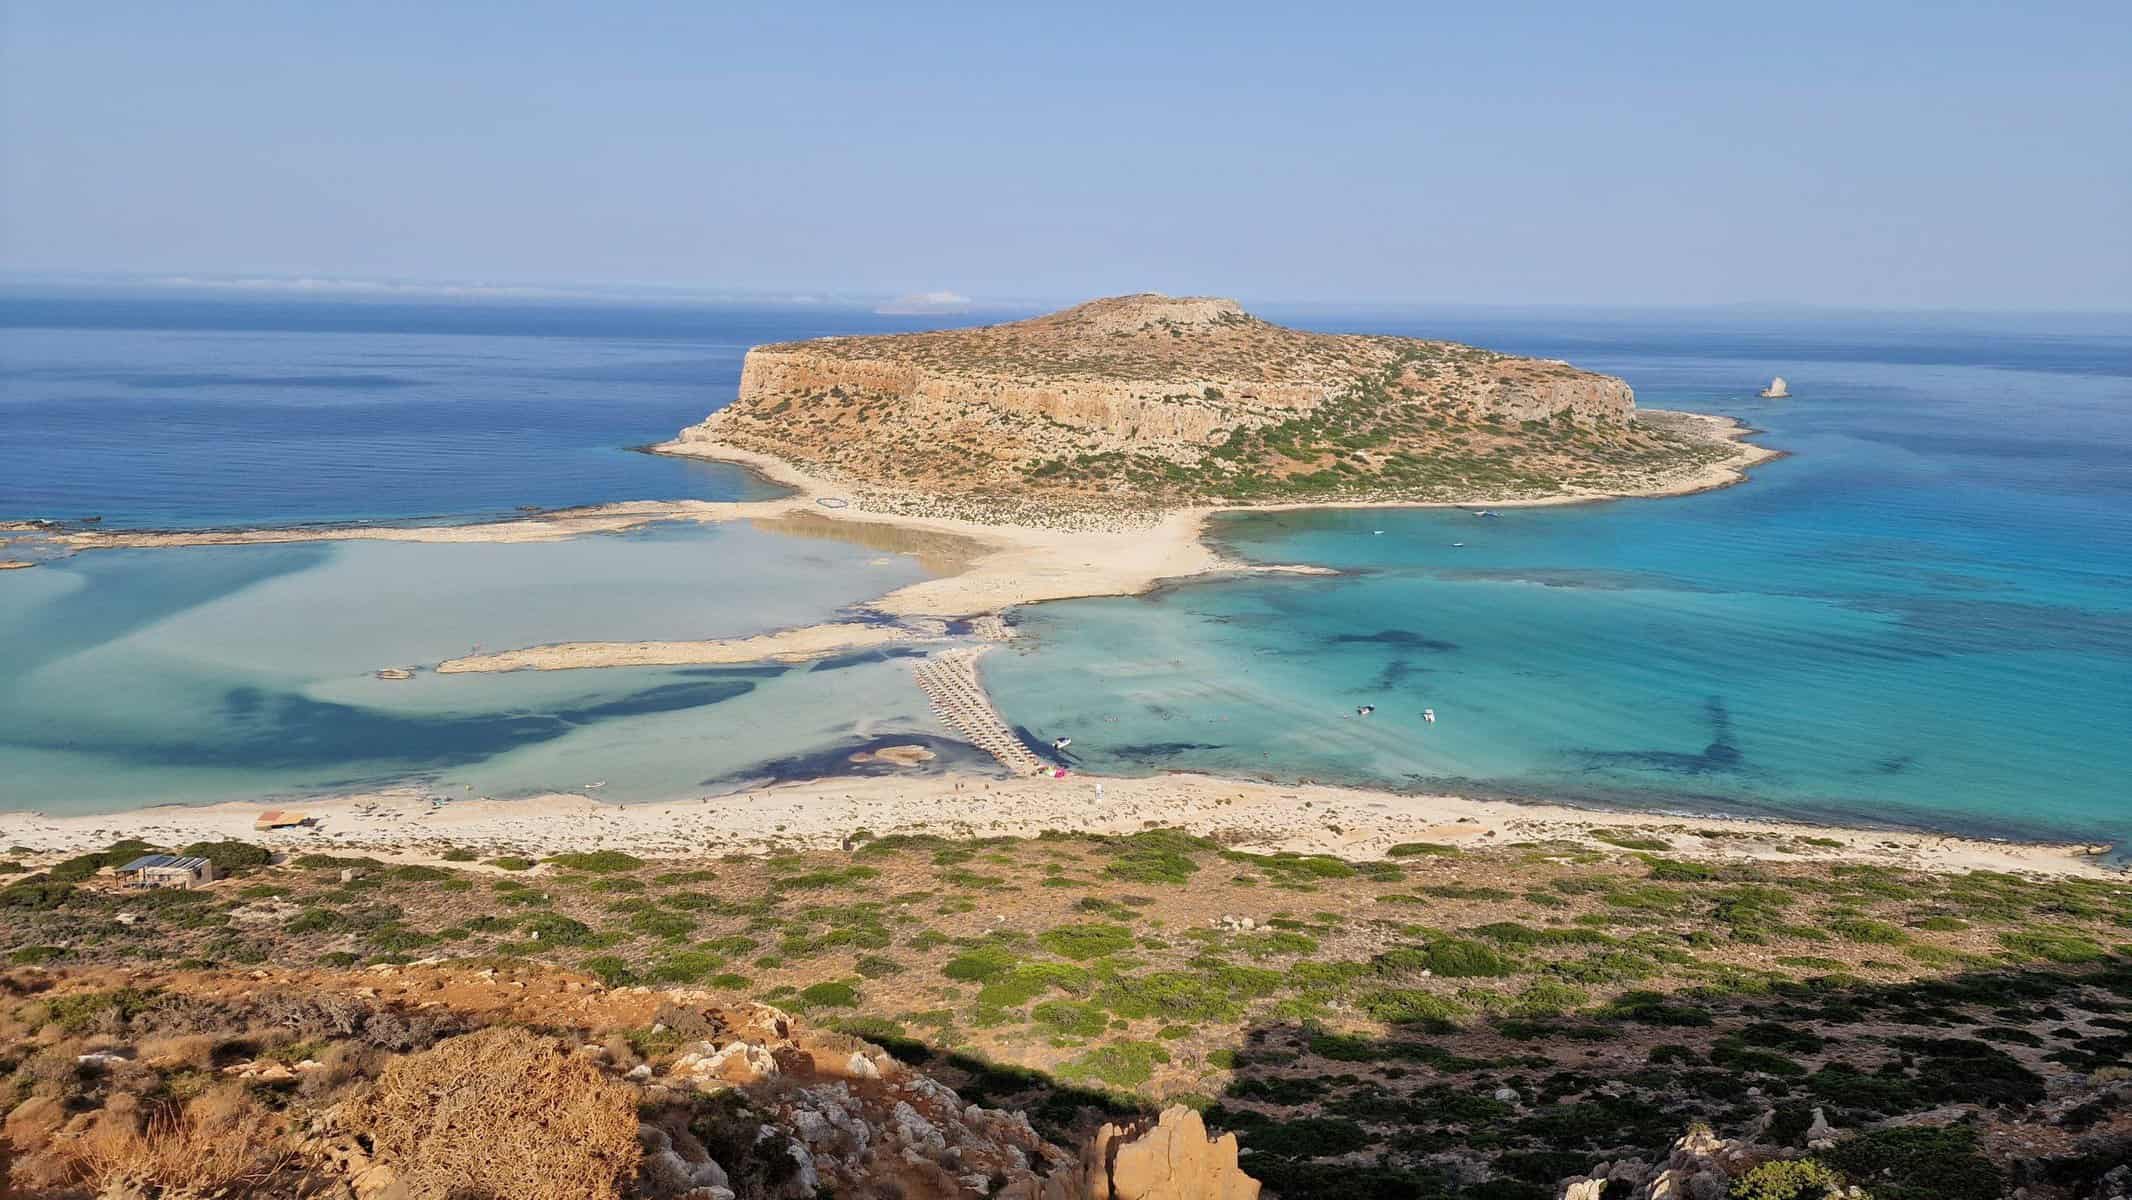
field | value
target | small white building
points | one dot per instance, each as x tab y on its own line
166	871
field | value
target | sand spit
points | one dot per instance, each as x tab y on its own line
791	645
542	527
403	825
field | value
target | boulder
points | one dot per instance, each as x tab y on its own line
1171	1158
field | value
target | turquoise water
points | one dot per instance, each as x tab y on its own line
1923	616
140	677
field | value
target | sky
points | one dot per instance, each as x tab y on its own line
1870	153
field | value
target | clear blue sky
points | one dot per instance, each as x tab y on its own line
1941	154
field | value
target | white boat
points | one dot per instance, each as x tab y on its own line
1776	390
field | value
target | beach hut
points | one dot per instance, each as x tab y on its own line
166	871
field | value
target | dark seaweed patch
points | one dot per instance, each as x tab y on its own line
1406	638
1721	754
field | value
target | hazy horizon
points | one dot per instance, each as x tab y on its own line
1898	156
416	292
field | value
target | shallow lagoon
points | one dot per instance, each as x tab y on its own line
154	676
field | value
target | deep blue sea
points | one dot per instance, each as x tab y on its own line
184	413
1923	615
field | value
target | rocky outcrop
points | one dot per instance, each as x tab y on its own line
1170	1158
831	1114
1701	1166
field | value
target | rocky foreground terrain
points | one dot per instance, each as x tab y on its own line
1153	400
1150	1016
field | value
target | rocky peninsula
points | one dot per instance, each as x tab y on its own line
1148	401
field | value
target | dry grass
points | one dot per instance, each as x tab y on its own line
221	1145
503	1112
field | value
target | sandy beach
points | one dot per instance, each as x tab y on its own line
404	825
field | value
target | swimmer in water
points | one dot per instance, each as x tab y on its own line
1365	710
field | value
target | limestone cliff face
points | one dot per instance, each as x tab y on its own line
1160	381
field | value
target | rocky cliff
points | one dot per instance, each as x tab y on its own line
1150	397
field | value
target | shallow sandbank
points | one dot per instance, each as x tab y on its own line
790	645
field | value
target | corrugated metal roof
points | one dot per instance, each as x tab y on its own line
148	862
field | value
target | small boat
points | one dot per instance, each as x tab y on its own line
1776	390
1429	715
1458	545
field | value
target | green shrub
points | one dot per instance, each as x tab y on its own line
230	855
2054	946
1925	1163
671	926
834	993
1673	870
612	971
335	862
1423	850
981	964
599	862
1027	981
77	1013
38	892
1071	1018
459	854
1411	1006
1798	1179
313	920
555	929
1630	841
1448	957
511	862
1157	856
1083	942
683	966
1120	1064
1866	930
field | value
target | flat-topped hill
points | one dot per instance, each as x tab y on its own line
1159	399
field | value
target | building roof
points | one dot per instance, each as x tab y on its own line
150	862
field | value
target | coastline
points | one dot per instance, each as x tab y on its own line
988	569
402	825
